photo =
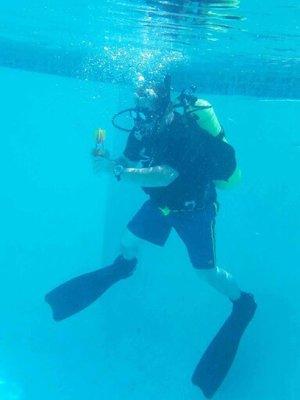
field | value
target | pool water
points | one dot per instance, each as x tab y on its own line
64	72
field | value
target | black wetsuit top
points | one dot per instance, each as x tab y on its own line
186	150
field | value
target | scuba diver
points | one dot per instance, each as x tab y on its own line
178	158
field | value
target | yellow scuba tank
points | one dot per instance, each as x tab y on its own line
232	182
203	113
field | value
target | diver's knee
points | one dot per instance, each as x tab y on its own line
215	273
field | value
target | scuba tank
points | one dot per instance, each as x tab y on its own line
201	112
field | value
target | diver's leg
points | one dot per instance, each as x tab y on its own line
78	293
130	245
147	225
222	281
197	230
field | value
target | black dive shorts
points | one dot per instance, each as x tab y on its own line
195	228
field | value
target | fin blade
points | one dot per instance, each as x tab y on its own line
78	293
219	356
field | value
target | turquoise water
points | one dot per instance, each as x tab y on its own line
145	336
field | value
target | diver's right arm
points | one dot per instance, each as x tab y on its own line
158	176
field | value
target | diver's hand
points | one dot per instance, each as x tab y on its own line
102	164
100	152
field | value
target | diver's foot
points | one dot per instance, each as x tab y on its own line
124	267
245	306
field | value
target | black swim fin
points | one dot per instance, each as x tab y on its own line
78	293
218	357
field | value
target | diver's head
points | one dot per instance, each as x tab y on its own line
154	98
